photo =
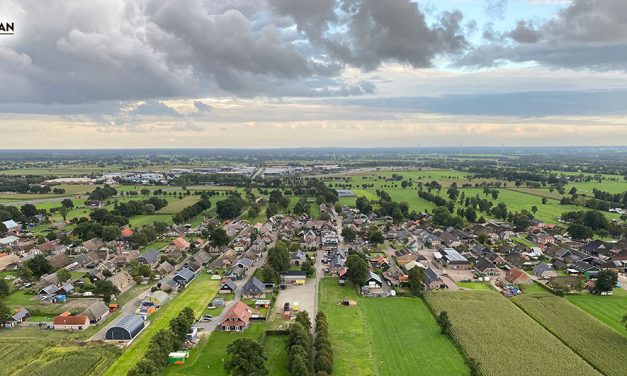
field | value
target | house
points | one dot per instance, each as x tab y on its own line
126	329
93	244
453	260
518	277
237	318
201	257
227	286
165	268
184	276
7	261
78	322
254	289
59	261
298	258
122	280
150	258
126	232
544	271
12	227
295	277
9	242
379	262
433	281
373	280
96	312
180	243
21	315
48	291
485	267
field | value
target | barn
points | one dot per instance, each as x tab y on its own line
126	329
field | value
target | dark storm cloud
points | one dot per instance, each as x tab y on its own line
586	34
145	49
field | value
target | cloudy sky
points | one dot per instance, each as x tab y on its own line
294	73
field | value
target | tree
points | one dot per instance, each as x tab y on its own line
218	237
29	210
110	233
357	269
308	268
303	318
348	234
67	203
64	212
279	258
144	367
444	323
417	278
375	236
534	209
606	280
471	215
4	288
39	266
63	275
544	200
5	312
579	232
268	274
25	273
246	358
107	290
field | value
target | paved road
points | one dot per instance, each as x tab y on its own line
127	309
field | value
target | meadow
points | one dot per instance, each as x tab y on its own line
608	309
502	338
391	336
598	344
195	296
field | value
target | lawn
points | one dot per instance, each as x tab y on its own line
608	309
475	285
276	355
600	345
502	338
176	206
366	341
196	296
209	356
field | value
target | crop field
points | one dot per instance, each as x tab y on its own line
196	296
34	357
392	336
608	309
209	356
502	338
175	206
600	345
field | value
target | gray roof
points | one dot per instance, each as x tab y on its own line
374	276
483	264
49	290
96	311
299	255
541	268
125	329
254	286
186	274
20	315
150	257
452	255
245	262
230	284
430	275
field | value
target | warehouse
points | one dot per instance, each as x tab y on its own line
126	329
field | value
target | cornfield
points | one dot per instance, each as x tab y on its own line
16	353
600	345
502	338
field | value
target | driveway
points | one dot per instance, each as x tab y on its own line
127	309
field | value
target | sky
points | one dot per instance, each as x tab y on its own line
315	73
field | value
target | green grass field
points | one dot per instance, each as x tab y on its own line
600	345
502	338
475	285
608	309
196	296
175	206
391	336
276	354
209	356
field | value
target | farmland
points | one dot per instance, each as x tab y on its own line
36	357
366	341
607	309
600	345
196	296
509	342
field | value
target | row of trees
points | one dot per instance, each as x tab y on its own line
163	343
323	359
300	346
192	210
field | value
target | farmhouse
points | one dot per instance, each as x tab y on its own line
518	277
126	329
96	312
433	281
78	322
122	280
373	280
7	261
486	267
543	270
254	289
180	243
298	258
237	318
227	286
184	276
150	258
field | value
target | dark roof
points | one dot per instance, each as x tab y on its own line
230	284
541	268
294	273
483	264
150	257
430	275
21	314
254	286
125	329
96	311
185	274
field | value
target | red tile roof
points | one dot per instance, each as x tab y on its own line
239	311
126	232
71	320
180	243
